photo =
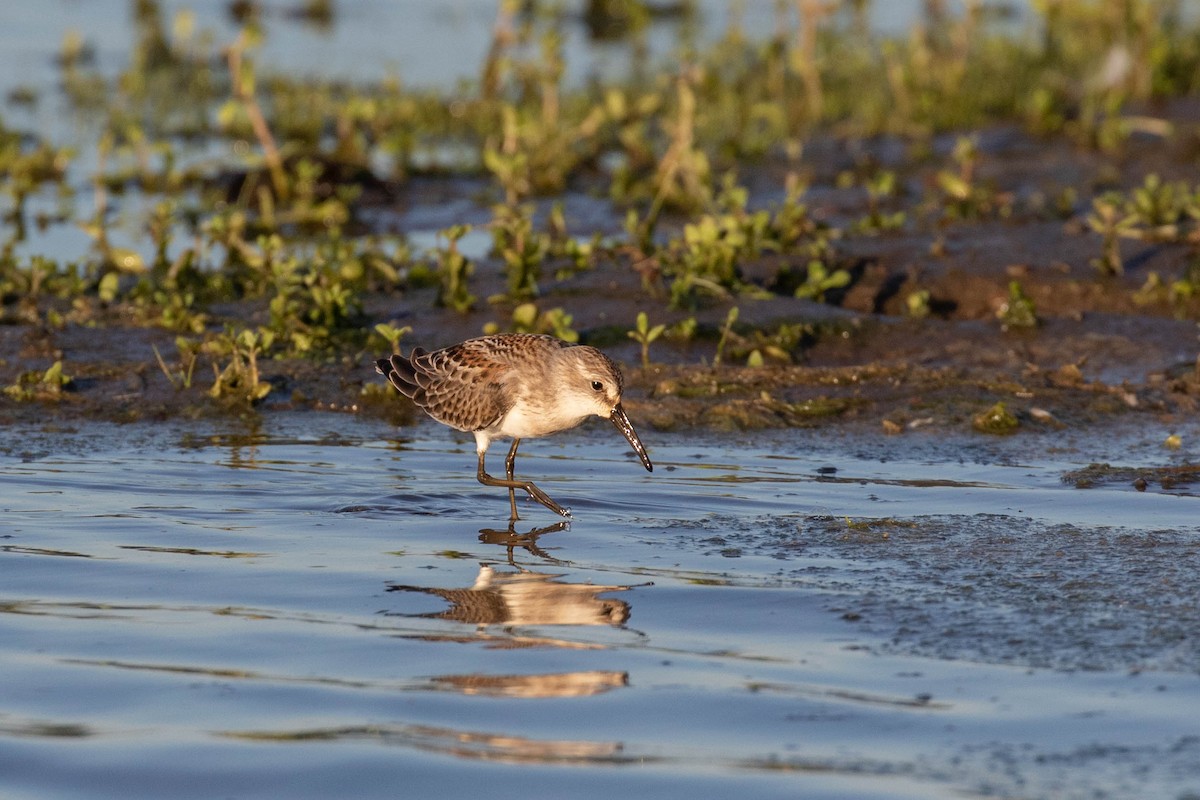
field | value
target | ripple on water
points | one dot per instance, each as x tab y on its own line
765	617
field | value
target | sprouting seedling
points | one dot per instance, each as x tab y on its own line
240	381
1110	221
917	304
730	318
524	317
188	352
453	271
966	155
643	334
522	249
819	279
1159	204
392	334
881	187
509	165
527	318
557	322
1019	311
960	190
36	385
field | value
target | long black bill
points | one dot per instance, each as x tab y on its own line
622	423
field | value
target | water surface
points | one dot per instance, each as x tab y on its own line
321	604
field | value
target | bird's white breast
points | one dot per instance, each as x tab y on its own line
527	420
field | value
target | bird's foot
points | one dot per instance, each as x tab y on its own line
544	499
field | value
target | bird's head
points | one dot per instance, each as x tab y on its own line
598	386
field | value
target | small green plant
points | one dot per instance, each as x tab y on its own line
997	420
1018	311
791	224
819	280
760	346
1109	219
708	259
176	311
316	300
730	318
684	330
713	247
557	322
881	187
688	288
508	164
1179	293
239	381
392	334
1159	204
916	304
526	318
579	255
522	249
44	386
1187	286
963	196
644	335
188	353
454	270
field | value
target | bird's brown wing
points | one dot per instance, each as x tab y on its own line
459	386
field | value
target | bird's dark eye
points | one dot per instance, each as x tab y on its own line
598	386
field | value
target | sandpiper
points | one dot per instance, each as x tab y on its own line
514	385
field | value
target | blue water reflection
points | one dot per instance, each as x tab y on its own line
239	612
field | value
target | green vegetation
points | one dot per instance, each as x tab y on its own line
645	335
1018	311
996	420
35	385
453	270
273	252
239	381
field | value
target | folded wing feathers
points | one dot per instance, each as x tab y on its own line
456	391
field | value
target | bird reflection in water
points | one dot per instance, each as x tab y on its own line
561	684
525	598
513	599
510	539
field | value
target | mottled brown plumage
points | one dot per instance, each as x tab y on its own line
513	385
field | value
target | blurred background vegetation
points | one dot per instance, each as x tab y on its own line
264	212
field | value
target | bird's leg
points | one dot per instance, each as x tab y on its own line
509	462
512	484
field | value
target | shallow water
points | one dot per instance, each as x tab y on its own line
313	606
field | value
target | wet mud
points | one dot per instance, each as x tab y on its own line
1095	350
990	588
